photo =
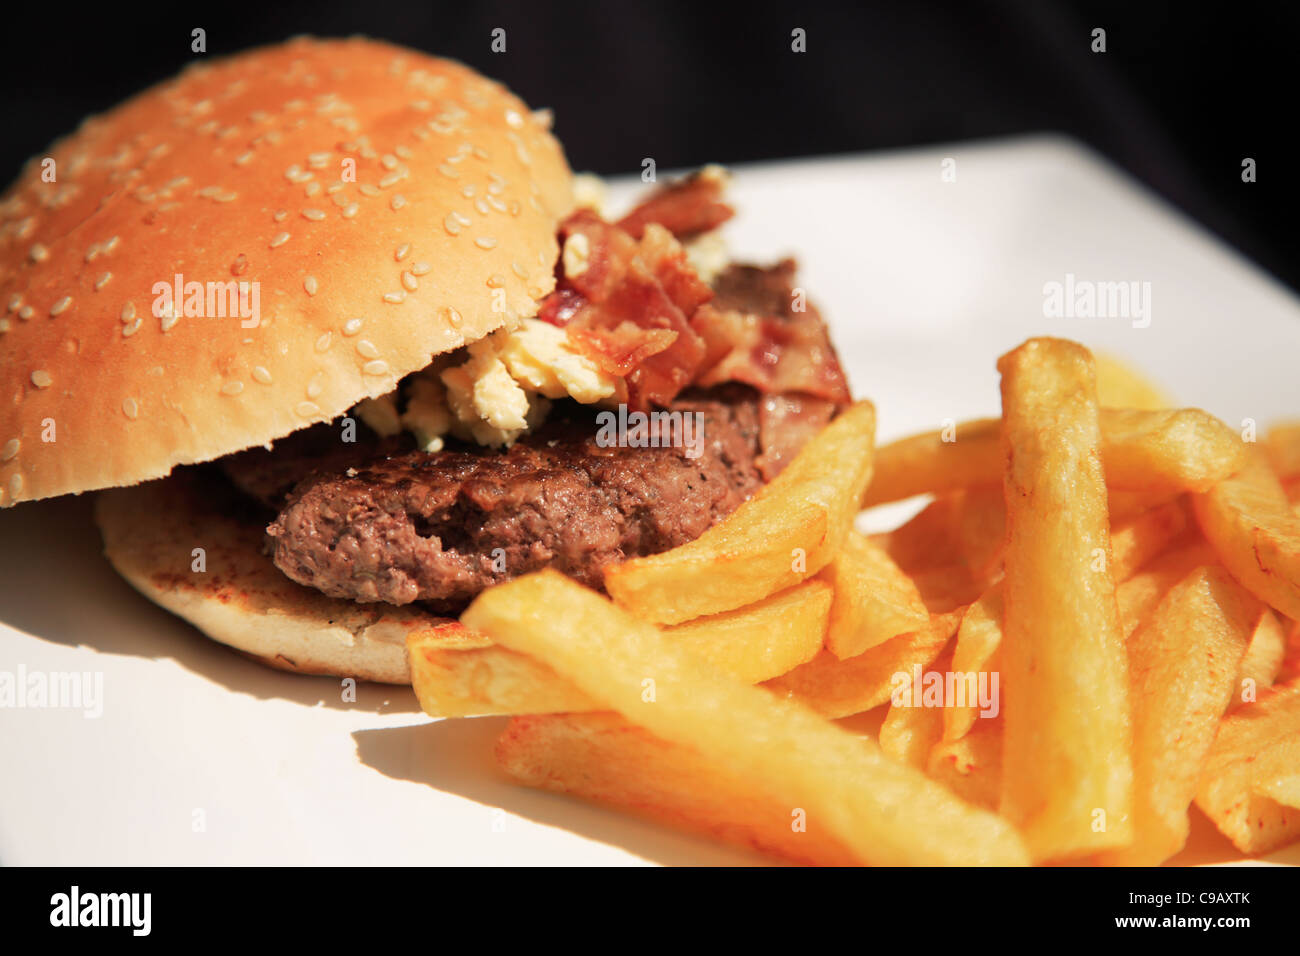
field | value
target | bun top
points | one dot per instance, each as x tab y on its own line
334	213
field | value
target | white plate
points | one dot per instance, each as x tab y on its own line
925	283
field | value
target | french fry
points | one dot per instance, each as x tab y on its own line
1119	385
1170	450
1138	596
1126	505
1263	659
603	758
982	529
1067	780
457	673
1256	534
787	532
1139	539
976	651
910	730
1183	668
881	811
972	766
838	688
1282	448
874	599
1235	787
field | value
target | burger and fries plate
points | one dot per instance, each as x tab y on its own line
201	757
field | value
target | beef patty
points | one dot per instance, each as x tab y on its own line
443	527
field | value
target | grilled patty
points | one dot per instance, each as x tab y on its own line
443	527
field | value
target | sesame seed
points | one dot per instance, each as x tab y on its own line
389	161
280	215
352	326
421	268
393	298
514	119
519	270
366	349
10	449
402	151
110	244
392	179
312	189
451	225
131	328
103	280
314	388
485	242
409	282
335	187
15	484
496	204
449	171
92	252
168	321
402	251
496	280
279	240
350	210
58	308
15	302
307	409
468	190
26	312
369	189
243	158
496	187
339	199
130	408
4	325
317	160
315	215
38	253
42	378
397	202
310	285
223	197
232	388
323	343
377	367
453	318
261	375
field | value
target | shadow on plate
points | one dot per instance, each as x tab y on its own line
56	586
455	757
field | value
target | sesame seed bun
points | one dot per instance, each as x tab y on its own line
237	596
238	170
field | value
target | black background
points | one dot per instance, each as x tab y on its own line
1184	92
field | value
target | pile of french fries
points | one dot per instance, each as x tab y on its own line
1122	575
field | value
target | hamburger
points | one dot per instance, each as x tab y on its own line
340	341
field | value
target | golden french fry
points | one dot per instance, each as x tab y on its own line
982	530
1235	787
1139	539
1170	450
874	599
1119	385
881	811
972	766
838	688
787	532
976	651
1263	659
1183	668
1138	596
936	462
913	726
1282	448
1067	780
603	758
1256	534
1126	505
456	673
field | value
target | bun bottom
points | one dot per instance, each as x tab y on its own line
239	597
